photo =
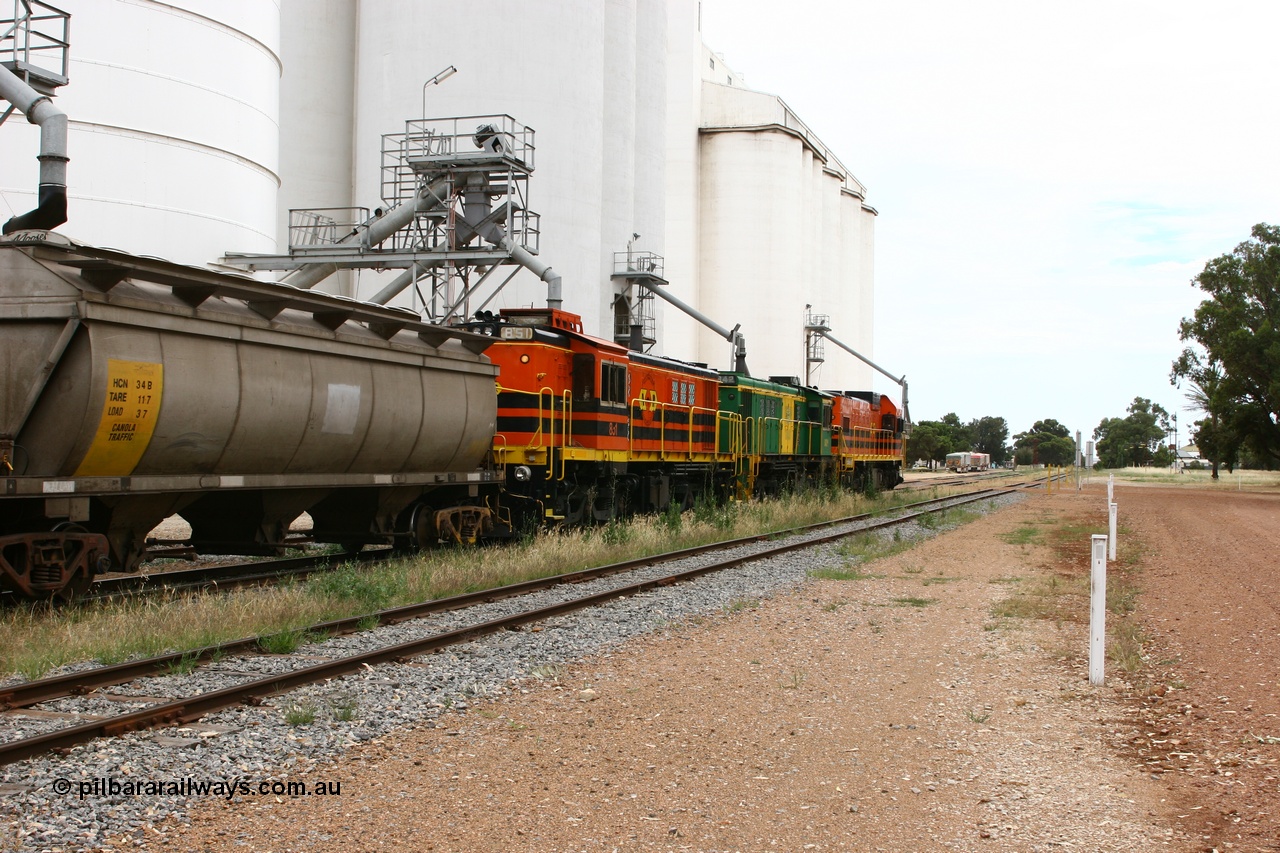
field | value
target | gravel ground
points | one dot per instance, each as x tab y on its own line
1205	714
266	744
769	711
887	713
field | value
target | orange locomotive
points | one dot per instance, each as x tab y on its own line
867	432
589	431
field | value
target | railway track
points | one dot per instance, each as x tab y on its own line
15	698
951	481
223	577
211	578
268	571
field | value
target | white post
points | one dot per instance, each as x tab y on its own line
1111	487
1098	610
1111	533
1078	460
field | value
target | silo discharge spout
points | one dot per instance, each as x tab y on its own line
39	110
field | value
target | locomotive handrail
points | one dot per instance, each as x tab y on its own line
731	423
761	435
636	403
809	426
536	440
692	411
662	428
750	455
534	443
651	405
566	428
644	404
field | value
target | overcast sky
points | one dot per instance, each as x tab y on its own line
1049	179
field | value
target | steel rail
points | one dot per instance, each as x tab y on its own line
239	574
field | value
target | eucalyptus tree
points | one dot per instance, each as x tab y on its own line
1234	351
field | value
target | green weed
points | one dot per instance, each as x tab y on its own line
300	713
183	665
1026	535
913	601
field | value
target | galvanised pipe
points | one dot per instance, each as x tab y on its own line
393	220
51	210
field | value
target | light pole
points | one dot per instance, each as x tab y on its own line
805	322
630	245
436	81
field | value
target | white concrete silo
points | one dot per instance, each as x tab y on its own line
779	226
686	57
752	186
866	273
317	106
172	131
585	76
773	237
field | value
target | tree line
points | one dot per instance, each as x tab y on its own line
1139	438
1230	367
1046	443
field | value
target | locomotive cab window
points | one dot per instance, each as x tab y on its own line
613	383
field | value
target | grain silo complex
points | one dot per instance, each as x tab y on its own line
173	128
194	128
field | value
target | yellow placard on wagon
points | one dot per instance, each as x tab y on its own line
128	419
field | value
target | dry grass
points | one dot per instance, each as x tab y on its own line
1053	597
1064	596
35	640
1125	646
1202	479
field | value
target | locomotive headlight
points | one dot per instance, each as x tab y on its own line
522	473
524	359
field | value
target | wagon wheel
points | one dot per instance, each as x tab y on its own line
422	528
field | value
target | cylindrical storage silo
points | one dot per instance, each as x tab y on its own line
682	206
845	369
617	188
172	132
650	140
833	288
866	274
753	190
317	106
